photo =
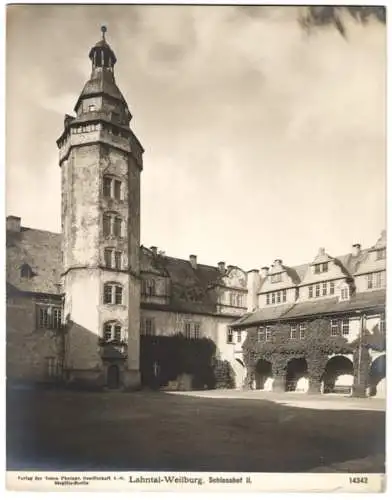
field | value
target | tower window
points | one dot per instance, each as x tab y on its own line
112	225
112	331
112	294
113	258
112	188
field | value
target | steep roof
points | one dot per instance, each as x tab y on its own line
41	251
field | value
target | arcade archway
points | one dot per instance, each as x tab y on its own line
296	370
377	375
338	375
263	373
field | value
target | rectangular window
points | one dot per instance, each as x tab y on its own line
108	257
378	280
106	225
107	294
117	226
229	336
324	267
293	332
117	260
325	289
117	332
107	331
188	330
118	295
345	327
310	292
278	297
276	278
273	298
317	269
332	288
107	187
239	336
344	294
334	327
149	326
370	281
117	190
260	334
381	254
302	330
284	296
268	333
267	299
318	290
196	330
49	317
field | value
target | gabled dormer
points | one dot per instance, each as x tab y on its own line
231	290
155	281
324	276
371	271
278	285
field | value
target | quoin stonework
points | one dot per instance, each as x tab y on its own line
79	302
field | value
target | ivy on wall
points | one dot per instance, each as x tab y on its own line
316	348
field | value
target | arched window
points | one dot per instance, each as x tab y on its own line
112	331
112	224
113	258
112	188
112	293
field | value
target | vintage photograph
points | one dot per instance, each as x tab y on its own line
195	242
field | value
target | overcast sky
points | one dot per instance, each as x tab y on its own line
262	141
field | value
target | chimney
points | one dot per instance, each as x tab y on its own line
321	251
278	262
222	267
264	271
13	223
356	250
253	284
193	261
154	250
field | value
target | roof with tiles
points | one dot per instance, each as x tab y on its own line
360	301
41	251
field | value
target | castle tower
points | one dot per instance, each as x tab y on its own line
101	162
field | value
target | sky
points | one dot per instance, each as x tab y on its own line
262	140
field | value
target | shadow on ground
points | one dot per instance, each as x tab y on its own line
63	430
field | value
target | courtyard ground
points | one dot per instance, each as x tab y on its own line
205	431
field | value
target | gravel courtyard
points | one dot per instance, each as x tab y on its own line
209	431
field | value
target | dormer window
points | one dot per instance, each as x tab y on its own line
381	254
345	292
276	278
321	268
26	271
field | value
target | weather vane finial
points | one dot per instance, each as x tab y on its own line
104	30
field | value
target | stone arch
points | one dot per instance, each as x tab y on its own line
338	374
240	373
263	372
377	376
296	369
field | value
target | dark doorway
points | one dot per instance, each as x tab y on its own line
376	374
113	377
263	372
296	369
336	367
